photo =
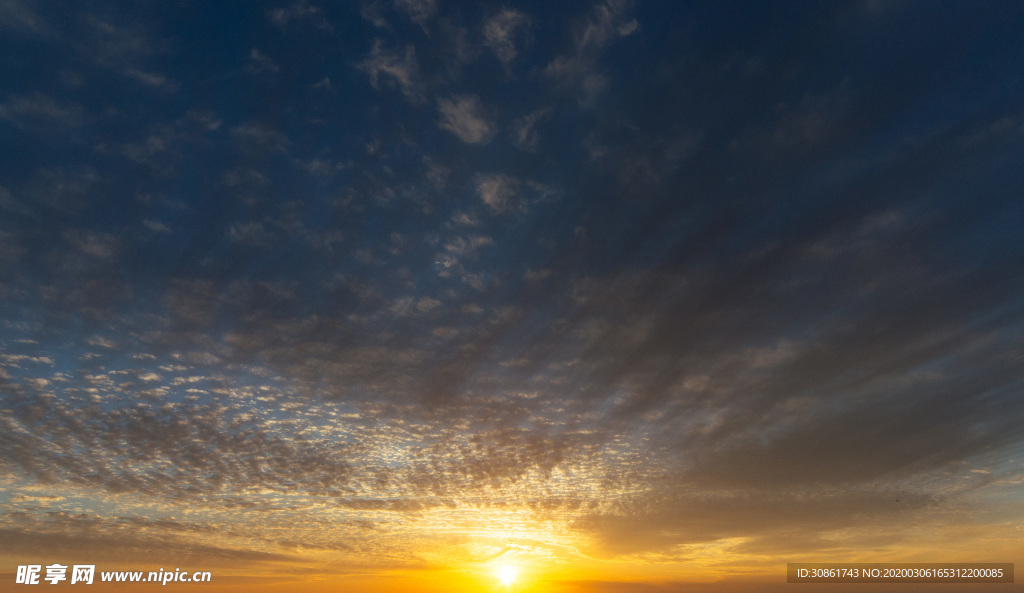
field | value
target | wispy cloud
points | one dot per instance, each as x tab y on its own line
524	129
299	11
102	245
463	115
156	226
420	11
260	137
39	111
607	21
19	15
400	69
251	233
499	33
578	70
259	63
153	80
499	191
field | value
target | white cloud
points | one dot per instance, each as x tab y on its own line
153	80
250	233
260	136
101	342
371	11
427	304
15	15
250	177
155	225
606	22
580	73
95	244
463	116
117	46
320	167
206	119
445	332
402	306
437	173
467	246
7	202
10	249
524	129
420	11
463	219
15	359
260	62
38	108
401	69
299	11
499	31
498	191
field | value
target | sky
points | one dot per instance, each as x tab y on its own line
628	296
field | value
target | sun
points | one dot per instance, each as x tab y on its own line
507	574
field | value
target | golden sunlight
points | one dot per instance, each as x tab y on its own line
507	573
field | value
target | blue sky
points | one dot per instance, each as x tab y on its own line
656	276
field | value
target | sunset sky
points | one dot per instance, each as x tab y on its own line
386	295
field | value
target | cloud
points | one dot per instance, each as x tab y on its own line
402	70
61	189
101	245
697	347
206	119
100	342
607	21
156	226
664	520
320	167
580	74
95	538
371	11
499	31
578	71
251	233
18	15
36	110
420	11
524	129
28	498
463	116
153	80
256	136
259	63
427	304
498	191
463	219
16	359
8	203
467	246
299	11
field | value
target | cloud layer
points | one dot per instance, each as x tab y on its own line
401	286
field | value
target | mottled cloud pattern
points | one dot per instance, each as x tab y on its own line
407	286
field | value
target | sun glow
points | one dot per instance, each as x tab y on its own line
507	573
